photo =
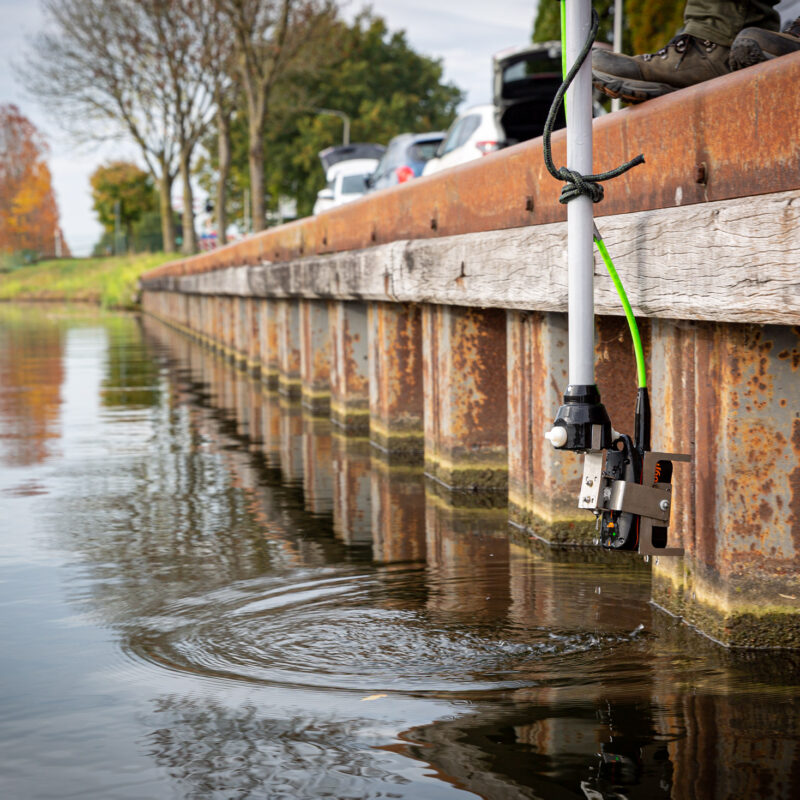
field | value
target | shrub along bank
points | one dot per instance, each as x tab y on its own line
110	281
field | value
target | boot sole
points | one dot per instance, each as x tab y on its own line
629	90
747	53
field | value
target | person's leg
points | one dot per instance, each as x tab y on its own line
696	55
720	20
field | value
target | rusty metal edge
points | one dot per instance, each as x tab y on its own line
734	136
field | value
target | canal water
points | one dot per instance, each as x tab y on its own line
208	594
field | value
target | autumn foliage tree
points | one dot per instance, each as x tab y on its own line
647	25
122	192
28	210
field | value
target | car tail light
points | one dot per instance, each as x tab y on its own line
487	147
404	173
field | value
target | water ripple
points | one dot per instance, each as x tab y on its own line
346	632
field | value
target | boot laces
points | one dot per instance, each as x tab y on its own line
681	44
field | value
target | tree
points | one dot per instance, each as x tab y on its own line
372	75
647	25
28	209
121	191
652	23
547	25
219	63
182	31
274	41
130	68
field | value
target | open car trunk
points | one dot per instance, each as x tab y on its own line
347	152
525	82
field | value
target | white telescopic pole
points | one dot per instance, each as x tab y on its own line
580	225
616	103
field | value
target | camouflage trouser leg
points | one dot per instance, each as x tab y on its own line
720	20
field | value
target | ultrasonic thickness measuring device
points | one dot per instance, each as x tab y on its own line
625	484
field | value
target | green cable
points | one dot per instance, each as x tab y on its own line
641	369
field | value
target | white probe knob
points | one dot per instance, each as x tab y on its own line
557	436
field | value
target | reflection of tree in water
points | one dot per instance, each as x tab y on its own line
31	374
217	752
131	378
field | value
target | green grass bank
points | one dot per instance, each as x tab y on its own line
109	281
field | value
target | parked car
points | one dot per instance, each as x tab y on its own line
347	168
473	134
525	80
405	158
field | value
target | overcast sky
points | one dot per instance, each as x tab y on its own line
463	33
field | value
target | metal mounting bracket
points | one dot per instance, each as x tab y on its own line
650	500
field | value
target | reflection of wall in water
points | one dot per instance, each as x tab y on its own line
352	515
397	500
467	555
317	465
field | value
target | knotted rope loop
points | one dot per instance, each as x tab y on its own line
576	184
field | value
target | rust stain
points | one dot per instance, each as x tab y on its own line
478	377
794	485
396	362
708	381
615	367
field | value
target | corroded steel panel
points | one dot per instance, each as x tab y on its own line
269	349
242	324
729	137
464	366
542	481
730	395
395	382
315	356
253	342
349	373
288	334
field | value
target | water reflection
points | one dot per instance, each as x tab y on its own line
308	621
31	369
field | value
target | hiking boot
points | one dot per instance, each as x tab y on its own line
684	61
754	45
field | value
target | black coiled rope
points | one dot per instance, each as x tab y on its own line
577	184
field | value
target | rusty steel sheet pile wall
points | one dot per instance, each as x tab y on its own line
426	325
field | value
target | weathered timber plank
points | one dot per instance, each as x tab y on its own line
734	260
